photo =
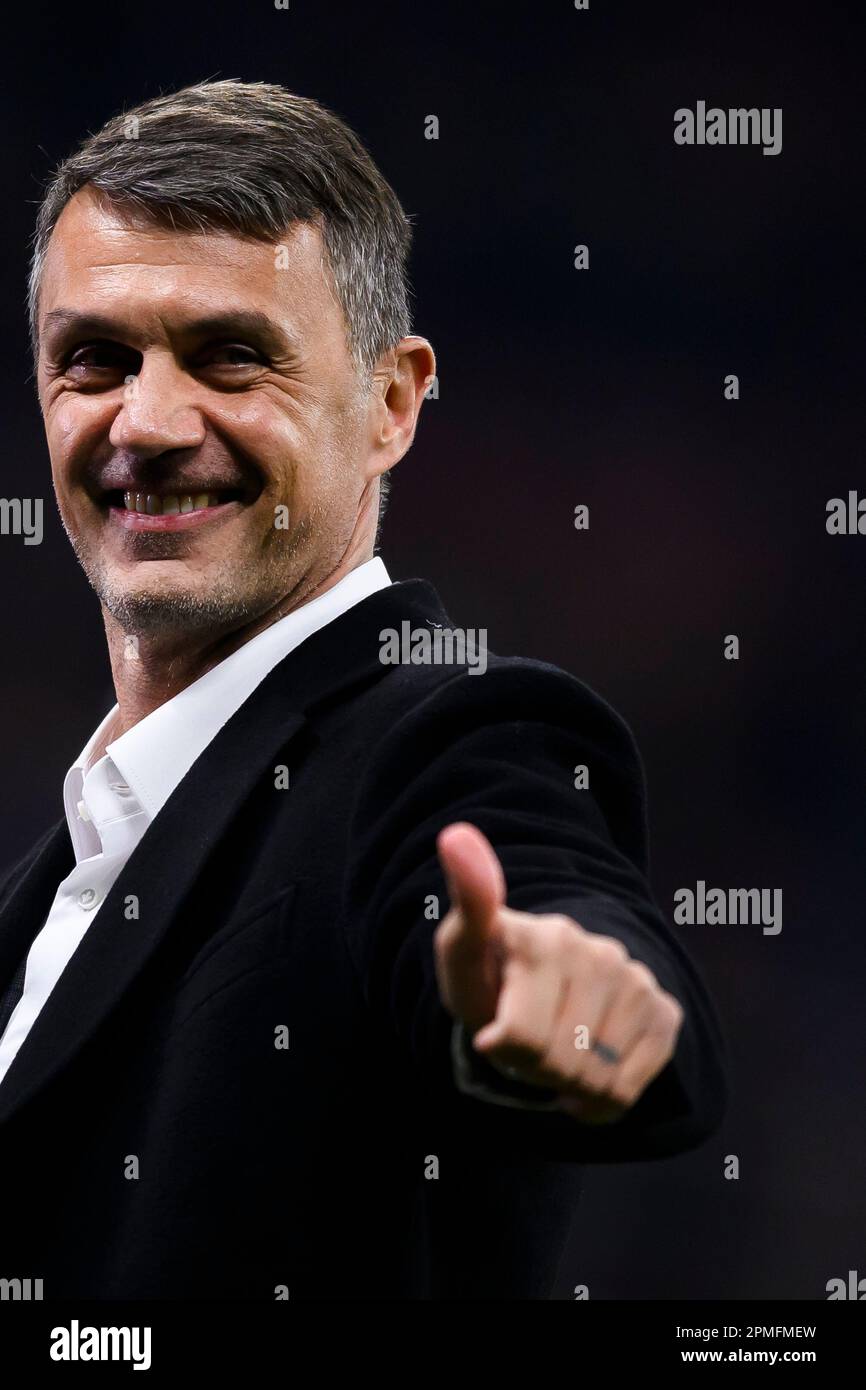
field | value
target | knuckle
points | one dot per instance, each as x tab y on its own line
447	928
565	935
610	954
664	1041
672	1013
555	923
625	1092
522	936
642	978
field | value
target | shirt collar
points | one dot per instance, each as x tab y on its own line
84	821
154	755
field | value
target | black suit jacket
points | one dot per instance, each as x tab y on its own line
156	1142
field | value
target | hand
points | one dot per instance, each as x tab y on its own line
544	999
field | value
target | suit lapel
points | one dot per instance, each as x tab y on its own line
30	900
172	853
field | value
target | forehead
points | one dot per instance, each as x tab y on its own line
103	260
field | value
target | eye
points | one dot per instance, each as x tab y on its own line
231	355
89	359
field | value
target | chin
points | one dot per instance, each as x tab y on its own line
151	611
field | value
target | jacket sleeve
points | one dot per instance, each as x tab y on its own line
502	750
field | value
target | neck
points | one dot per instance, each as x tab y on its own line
165	663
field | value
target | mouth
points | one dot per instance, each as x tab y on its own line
168	511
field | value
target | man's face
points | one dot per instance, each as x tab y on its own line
210	439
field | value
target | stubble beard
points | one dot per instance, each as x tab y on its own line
163	608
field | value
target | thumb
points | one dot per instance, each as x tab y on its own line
474	877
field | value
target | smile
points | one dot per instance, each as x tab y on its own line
172	504
139	511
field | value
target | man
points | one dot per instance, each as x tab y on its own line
340	964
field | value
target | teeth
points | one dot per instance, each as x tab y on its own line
171	505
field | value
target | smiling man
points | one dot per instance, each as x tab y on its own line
336	969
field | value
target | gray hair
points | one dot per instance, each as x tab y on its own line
252	158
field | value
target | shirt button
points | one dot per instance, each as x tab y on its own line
83	811
87	898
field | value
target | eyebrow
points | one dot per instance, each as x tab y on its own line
62	324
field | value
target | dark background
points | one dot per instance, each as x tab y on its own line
603	387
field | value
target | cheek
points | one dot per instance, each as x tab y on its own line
277	426
74	427
263	434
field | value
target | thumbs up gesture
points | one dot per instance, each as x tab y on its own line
543	999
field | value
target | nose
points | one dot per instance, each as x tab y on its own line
158	412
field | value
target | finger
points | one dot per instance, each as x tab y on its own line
474	878
595	1094
588	970
595	968
529	1004
641	1057
647	1057
630	1011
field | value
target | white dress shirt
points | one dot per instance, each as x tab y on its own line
110	805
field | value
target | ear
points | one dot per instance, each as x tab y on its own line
400	381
